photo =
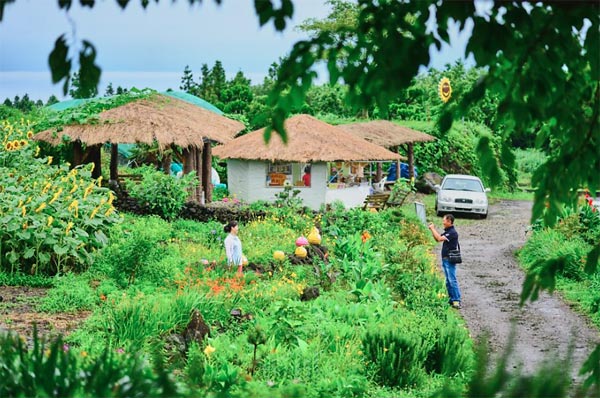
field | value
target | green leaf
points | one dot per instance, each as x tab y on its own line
60	65
60	250
592	260
29	253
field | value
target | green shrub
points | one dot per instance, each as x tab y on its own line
162	193
71	293
53	370
451	353
19	279
135	250
549	250
395	357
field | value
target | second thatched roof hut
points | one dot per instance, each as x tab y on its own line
389	135
259	170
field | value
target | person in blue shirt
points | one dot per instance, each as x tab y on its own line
450	242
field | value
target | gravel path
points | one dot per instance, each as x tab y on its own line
491	282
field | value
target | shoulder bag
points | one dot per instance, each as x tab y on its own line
454	255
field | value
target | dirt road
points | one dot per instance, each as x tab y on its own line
491	282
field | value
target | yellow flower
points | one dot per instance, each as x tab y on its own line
37	151
50	220
94	212
100	181
111	197
23	211
88	190
445	90
49	160
25	225
109	211
8	146
69	226
41	207
56	195
84	354
30	134
209	350
75	186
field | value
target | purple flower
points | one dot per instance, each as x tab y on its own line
65	347
120	351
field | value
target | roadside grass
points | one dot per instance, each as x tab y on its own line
583	296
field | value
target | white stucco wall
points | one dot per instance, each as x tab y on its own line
247	181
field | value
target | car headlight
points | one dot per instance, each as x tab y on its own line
446	199
481	201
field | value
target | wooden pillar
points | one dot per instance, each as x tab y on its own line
77	153
199	174
114	162
378	173
189	165
95	156
206	172
397	150
411	161
166	162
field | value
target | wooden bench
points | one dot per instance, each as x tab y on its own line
376	201
399	195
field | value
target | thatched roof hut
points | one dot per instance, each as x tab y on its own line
309	140
389	135
167	120
164	119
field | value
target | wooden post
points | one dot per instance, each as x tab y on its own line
206	172
411	162
166	162
378	173
199	165
77	153
95	156
189	165
114	162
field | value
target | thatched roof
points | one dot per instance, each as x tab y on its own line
165	119
386	133
309	140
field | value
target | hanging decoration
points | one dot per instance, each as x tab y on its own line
445	90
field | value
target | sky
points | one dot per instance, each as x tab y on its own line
151	47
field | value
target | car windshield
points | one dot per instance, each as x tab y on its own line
460	184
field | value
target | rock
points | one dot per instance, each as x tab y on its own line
196	330
426	182
310	293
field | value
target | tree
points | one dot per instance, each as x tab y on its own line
110	91
52	100
80	89
187	81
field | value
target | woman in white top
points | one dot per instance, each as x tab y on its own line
233	246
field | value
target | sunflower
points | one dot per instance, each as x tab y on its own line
8	146
445	90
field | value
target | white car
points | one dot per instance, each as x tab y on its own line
461	193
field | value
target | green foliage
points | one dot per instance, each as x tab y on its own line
139	251
547	254
396	357
288	198
70	293
18	279
54	370
53	217
135	319
162	193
